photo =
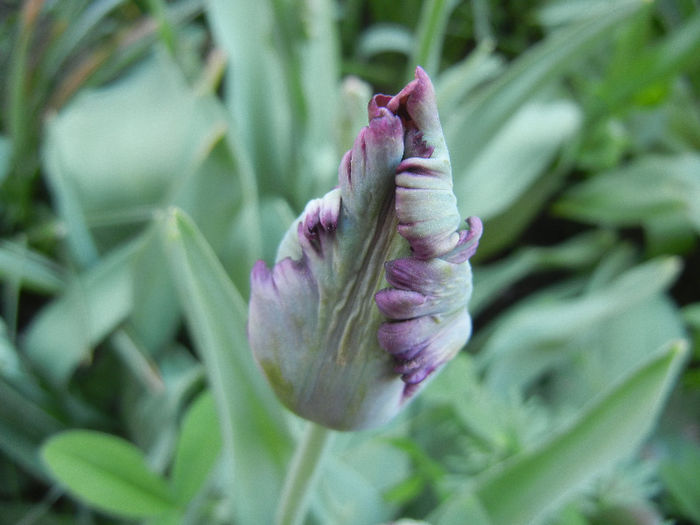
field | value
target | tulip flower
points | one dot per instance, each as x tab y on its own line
368	297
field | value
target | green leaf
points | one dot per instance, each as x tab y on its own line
24	425
198	448
107	472
28	268
578	252
660	62
64	333
430	35
257	92
612	348
515	158
637	193
467	509
124	145
527	488
562	12
459	81
346	497
384	38
474	125
680	476
5	154
517	219
118	152
253	423
282	89
532	337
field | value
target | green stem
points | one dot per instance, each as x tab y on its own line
302	474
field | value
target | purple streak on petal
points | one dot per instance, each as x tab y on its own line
432	277
405	339
319	222
417	376
468	242
404	273
431	174
416	144
416	106
423	344
400	304
377	105
426	206
366	173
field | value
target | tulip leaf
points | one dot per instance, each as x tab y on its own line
515	158
255	438
474	125
529	339
576	253
64	333
654	65
24	425
345	497
5	154
680	476
30	269
107	472
256	93
650	187
116	153
384	38
460	80
528	487
468	509
197	449
430	35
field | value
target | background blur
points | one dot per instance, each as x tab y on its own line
574	132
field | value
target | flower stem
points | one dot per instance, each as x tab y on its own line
302	474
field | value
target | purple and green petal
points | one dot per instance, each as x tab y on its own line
369	292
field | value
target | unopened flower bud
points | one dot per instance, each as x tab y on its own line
369	293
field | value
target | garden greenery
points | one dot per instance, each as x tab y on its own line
152	151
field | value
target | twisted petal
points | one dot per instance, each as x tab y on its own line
337	348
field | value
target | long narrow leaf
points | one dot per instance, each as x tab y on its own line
64	333
526	489
472	127
252	421
430	35
24	425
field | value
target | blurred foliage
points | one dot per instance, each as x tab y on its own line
151	151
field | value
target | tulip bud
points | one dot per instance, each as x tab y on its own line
369	293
